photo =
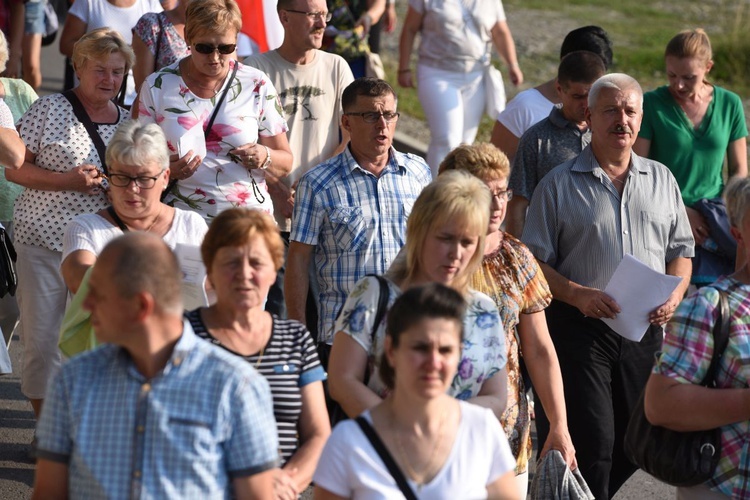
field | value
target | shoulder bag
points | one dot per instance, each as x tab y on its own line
386	457
8	277
680	458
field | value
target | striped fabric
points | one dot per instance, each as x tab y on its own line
356	221
686	354
578	224
289	362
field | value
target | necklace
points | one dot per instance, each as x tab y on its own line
156	219
214	89
419	477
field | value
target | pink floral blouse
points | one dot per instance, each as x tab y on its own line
251	109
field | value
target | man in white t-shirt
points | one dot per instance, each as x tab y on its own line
310	83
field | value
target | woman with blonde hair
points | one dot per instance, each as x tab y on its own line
510	275
691	126
210	101
444	239
63	176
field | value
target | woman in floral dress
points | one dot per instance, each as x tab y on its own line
510	275
247	138
444	240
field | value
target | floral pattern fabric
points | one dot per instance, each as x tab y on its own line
484	343
156	30
251	110
513	279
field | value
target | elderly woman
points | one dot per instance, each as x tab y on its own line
674	397
210	101
242	252
138	162
510	275
691	126
454	54
62	177
444	240
443	448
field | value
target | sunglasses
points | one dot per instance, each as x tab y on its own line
204	48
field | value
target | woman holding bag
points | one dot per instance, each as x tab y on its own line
419	442
674	398
453	64
209	100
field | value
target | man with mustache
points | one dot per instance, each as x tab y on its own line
585	215
310	83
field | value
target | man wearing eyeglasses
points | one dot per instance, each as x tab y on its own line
350	212
310	83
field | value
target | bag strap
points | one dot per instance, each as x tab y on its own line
85	119
721	339
117	219
383	296
386	457
210	122
158	38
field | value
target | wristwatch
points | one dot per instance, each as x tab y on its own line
266	163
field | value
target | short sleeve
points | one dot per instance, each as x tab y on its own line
81	10
29	128
271	121
739	125
78	236
417	5
146	108
688	341
312	371
523	174
53	432
536	293
357	318
483	316
147	29
253	445
6	117
333	472
539	233
307	218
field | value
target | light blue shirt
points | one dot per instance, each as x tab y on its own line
356	221
205	419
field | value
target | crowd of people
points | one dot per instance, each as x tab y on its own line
366	321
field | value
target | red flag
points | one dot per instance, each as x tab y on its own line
261	23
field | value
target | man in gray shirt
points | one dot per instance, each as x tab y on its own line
584	216
556	139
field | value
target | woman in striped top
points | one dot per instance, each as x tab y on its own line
242	252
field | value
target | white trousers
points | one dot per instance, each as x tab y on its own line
41	295
453	104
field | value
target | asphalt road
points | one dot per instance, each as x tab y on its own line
17	418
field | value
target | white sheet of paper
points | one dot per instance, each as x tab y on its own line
638	290
192	139
193	276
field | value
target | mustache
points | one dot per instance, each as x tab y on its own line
622	129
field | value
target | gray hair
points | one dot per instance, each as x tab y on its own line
3	52
135	143
737	199
616	81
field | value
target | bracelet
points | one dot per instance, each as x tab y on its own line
267	162
407	70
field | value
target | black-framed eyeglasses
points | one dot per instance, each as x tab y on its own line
314	16
374	116
505	195
224	48
142	181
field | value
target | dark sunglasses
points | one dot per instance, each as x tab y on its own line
204	48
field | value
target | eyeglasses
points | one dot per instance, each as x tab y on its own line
314	16
506	195
374	116
142	181
224	48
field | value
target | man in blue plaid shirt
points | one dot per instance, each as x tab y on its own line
350	212
155	412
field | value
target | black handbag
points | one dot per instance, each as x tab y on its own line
680	458
8	277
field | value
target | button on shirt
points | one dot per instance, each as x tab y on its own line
544	146
205	419
355	220
580	226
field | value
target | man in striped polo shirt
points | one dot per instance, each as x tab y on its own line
584	216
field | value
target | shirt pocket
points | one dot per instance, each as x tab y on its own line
192	435
349	227
656	228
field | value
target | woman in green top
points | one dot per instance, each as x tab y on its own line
691	125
